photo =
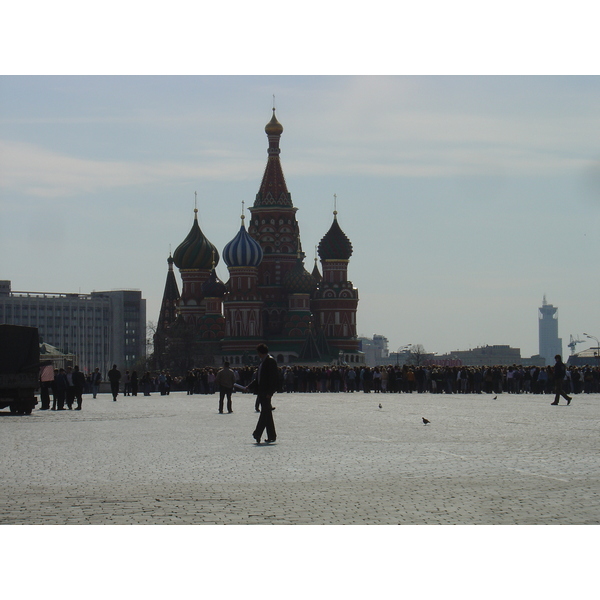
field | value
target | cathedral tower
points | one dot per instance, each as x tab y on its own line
273	225
336	299
243	304
194	259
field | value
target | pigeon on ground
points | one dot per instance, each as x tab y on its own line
425	421
380	405
495	397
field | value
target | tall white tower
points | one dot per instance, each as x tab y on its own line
550	343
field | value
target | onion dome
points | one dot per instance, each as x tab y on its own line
213	287
335	245
242	250
195	252
298	280
274	127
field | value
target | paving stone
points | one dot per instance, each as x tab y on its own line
338	459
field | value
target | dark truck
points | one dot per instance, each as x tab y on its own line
19	368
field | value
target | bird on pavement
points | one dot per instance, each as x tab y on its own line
425	421
380	406
495	397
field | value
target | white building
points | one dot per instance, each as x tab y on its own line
100	329
375	350
550	343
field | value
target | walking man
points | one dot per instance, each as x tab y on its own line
559	375
114	376
265	385
225	379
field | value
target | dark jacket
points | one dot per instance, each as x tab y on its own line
78	379
267	382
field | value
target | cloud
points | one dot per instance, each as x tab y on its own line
39	172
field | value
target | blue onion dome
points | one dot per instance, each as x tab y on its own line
242	250
274	127
195	252
335	245
298	280
213	287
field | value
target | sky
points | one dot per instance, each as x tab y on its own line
466	169
466	198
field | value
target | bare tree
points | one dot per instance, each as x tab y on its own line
416	355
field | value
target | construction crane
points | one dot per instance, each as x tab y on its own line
572	343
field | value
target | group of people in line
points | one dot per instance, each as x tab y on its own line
70	384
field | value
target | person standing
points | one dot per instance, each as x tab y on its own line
114	376
95	380
265	385
225	379
78	385
560	371
59	387
134	383
127	384
70	388
46	379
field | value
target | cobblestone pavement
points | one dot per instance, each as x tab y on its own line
339	459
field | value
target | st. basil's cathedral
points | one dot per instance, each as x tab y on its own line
270	296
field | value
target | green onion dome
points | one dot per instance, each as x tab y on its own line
195	252
298	280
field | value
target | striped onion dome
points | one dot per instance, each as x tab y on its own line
335	245
242	250
195	252
213	287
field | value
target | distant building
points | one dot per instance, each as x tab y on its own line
375	350
550	344
589	357
98	329
485	356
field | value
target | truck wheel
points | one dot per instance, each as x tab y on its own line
14	409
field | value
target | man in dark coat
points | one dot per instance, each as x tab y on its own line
560	370
265	385
79	384
114	376
59	387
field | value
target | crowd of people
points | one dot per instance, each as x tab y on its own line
70	384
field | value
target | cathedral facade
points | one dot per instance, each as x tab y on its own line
270	296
